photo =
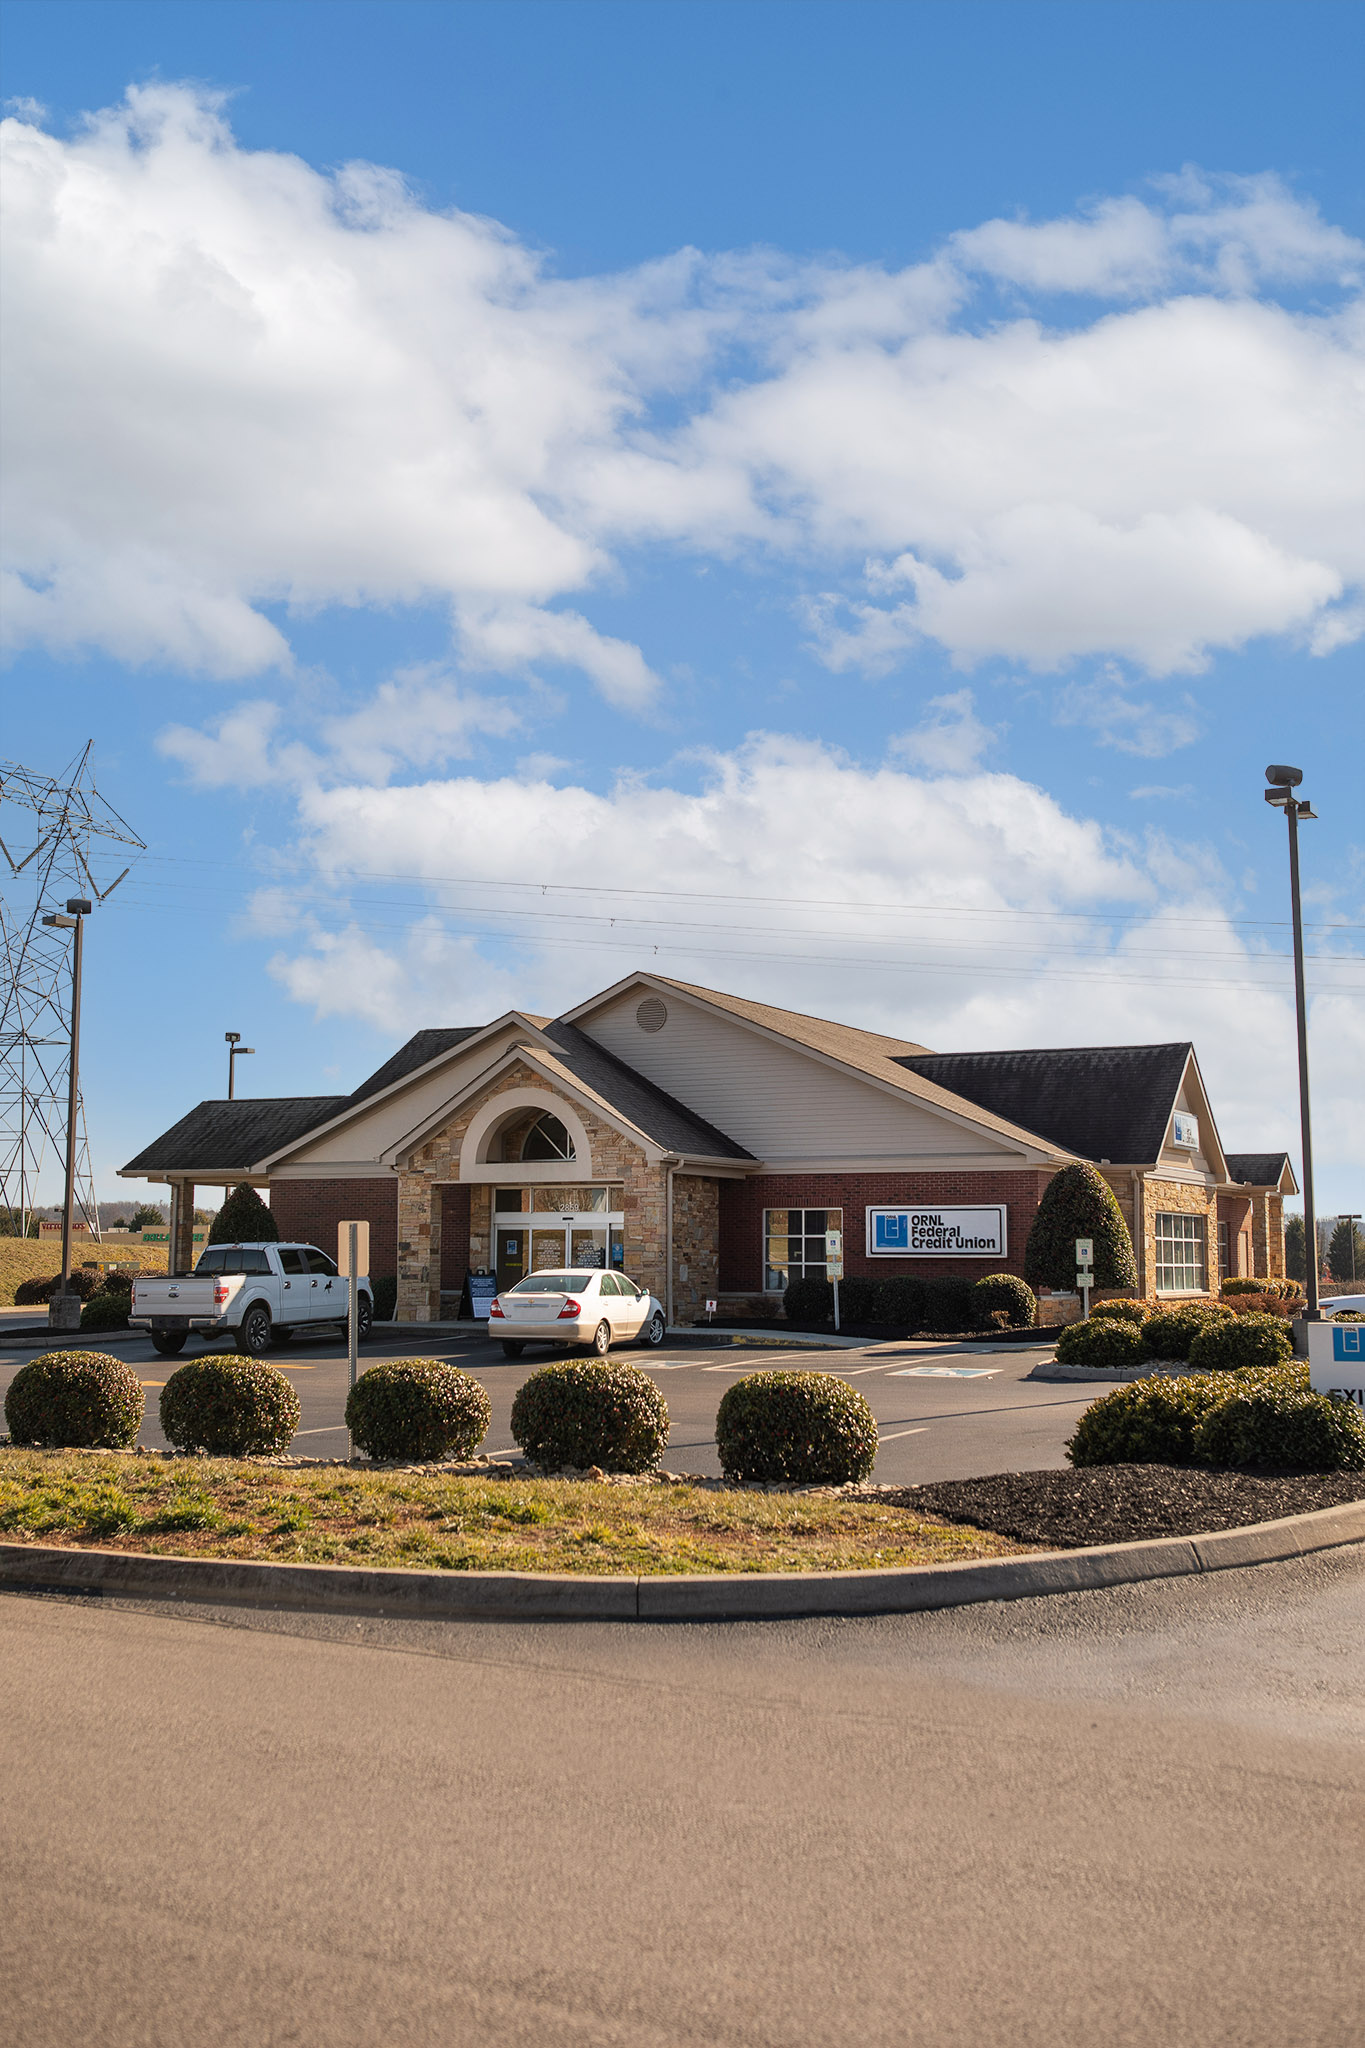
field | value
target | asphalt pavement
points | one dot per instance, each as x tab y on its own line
1100	1820
944	1411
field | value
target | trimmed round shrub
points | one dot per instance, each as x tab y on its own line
107	1310
418	1409
591	1412
1241	1342
231	1407
1243	1286
1007	1294
1151	1422
804	1428
1135	1312
1270	1425
385	1294
1348	1315
83	1282
244	1219
1079	1202
76	1400
1169	1332
1107	1343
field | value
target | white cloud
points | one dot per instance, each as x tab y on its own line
950	739
239	387
1116	720
958	909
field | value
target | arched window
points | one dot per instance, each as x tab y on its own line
548	1139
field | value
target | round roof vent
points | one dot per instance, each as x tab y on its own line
652	1015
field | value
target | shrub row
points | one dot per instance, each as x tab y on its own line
1243	1419
939	1306
1207	1336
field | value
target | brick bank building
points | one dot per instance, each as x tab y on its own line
707	1142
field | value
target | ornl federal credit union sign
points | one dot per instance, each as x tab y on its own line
936	1233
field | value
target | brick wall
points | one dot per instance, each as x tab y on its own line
696	1245
308	1211
742	1204
455	1253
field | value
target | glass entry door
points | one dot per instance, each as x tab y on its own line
537	1229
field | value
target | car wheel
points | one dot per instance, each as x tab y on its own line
601	1342
654	1328
510	1350
168	1343
255	1334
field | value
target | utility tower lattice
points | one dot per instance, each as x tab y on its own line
57	835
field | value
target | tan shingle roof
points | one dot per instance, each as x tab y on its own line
867	1052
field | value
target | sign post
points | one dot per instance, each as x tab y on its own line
834	1265
1085	1271
353	1259
710	1311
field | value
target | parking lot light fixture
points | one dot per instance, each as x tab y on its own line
1283	782
236	1051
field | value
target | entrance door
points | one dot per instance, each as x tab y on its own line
513	1248
547	1249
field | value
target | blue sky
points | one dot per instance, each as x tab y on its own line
850	497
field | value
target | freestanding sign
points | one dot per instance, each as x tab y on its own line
834	1265
353	1260
1336	1360
937	1233
1085	1271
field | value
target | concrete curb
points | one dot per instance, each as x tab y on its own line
743	1596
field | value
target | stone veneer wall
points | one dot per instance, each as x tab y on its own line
696	1246
435	1165
1267	1235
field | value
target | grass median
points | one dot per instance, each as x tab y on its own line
440	1521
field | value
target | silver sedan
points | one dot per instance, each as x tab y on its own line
596	1307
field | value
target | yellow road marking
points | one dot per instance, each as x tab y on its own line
151	1383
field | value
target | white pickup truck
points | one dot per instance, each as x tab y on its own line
258	1293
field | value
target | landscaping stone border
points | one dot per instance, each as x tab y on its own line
738	1596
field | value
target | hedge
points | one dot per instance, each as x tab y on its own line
804	1428
75	1400
1002	1301
1275	1425
84	1281
940	1305
418	1409
1079	1202
107	1310
1151	1422
1135	1312
1241	1342
385	1294
230	1407
1104	1342
1169	1332
589	1412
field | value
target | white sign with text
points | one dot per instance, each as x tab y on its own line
913	1233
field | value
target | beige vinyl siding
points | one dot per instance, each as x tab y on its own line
1173	1155
367	1135
776	1102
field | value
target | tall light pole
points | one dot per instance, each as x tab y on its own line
1283	782
60	1309
236	1051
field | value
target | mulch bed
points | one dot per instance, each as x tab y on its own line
1126	1503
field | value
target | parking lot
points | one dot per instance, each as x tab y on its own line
945	1411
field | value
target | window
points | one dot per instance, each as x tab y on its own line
1224	1265
509	1201
548	1139
230	1259
553	1283
794	1244
293	1262
1179	1254
318	1262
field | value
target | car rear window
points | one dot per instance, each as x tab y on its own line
553	1283
231	1258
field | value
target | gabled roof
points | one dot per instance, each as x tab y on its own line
1100	1101
231	1136
1260	1170
659	1115
421	1047
873	1054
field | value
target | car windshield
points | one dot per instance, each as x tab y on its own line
553	1283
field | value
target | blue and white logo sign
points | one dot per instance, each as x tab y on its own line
896	1233
1336	1360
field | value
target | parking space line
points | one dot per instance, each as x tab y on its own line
946	1372
897	1433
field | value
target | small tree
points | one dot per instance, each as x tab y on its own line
1346	1252
244	1219
1295	1264
1079	1202
146	1216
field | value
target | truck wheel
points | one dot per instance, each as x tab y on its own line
169	1343
254	1334
364	1319
510	1350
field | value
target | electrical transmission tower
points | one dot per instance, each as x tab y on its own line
58	838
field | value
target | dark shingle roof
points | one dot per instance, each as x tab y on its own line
1256	1169
421	1047
1101	1101
660	1116
234	1134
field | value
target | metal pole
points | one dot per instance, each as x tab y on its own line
72	1097
1310	1225
352	1325
232	1069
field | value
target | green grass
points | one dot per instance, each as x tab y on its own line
218	1507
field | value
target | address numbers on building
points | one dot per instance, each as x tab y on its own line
937	1233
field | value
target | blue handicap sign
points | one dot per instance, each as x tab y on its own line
1348	1344
891	1231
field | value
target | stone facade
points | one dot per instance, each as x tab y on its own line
1180	1198
696	1246
435	1166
